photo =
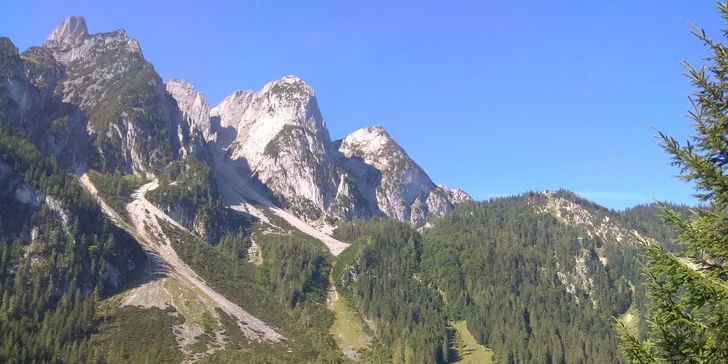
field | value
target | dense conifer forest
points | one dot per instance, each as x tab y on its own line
55	261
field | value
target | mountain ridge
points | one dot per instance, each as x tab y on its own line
276	137
245	194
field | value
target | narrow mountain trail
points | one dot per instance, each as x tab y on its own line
235	192
173	282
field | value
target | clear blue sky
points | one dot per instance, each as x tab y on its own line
496	98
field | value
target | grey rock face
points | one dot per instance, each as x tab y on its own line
28	195
72	31
192	104
456	195
227	115
118	96
281	137
95	92
403	191
14	84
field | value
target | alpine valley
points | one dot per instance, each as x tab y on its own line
139	224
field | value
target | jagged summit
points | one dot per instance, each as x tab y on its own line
376	147
181	84
192	104
290	88
287	90
125	112
71	31
277	135
290	79
184	92
71	41
368	133
456	195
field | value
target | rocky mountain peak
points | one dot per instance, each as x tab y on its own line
276	138
456	195
398	186
370	134
181	87
229	111
290	88
71	31
376	147
192	104
71	42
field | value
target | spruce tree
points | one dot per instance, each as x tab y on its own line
688	309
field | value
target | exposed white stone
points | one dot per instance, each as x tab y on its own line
56	206
574	214
278	134
278	137
111	274
456	195
404	191
26	194
72	31
192	104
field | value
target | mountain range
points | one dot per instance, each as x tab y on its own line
276	137
133	209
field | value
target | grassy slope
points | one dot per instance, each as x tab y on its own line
468	350
347	330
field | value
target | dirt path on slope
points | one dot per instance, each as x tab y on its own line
145	219
235	190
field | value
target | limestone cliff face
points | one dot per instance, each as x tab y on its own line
105	83
397	186
192	104
192	120
279	135
72	31
282	139
28	105
92	100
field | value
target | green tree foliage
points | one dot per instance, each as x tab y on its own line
688	308
53	269
306	325
497	265
235	245
186	182
188	192
646	220
135	335
378	275
130	96
116	188
294	268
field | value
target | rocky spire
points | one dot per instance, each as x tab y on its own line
192	104
72	31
